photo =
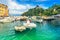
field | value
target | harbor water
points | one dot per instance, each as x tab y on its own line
43	31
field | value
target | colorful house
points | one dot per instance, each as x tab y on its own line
3	10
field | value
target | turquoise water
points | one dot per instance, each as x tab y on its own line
43	31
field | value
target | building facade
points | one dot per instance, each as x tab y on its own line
3	10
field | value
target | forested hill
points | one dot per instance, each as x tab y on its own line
39	11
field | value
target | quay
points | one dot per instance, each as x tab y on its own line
48	18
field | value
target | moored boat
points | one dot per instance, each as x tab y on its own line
6	19
20	28
25	26
29	25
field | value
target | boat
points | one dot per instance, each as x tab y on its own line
29	25
39	21
20	28
6	19
25	26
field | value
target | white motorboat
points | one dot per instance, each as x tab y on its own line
39	20
7	19
20	28
29	25
25	26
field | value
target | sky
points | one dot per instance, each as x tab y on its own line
21	6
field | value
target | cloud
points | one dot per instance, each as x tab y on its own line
15	8
4	2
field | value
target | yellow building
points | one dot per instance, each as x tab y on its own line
3	10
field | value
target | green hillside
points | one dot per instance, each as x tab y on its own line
39	11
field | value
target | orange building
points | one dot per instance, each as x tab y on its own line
3	10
